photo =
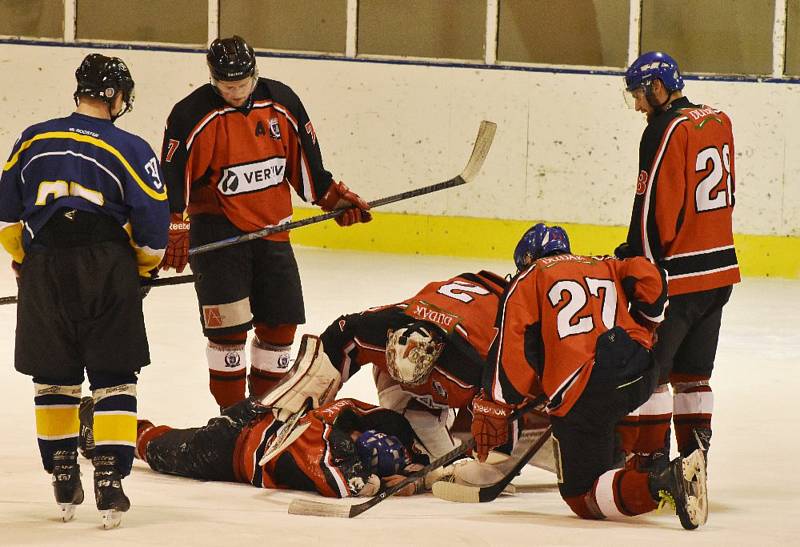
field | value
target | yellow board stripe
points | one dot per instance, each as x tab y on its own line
114	428
57	422
773	256
95	142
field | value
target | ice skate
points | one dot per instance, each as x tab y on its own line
683	485
67	483
111	500
86	434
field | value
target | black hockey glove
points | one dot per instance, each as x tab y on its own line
623	251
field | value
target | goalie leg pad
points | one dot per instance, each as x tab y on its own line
312	377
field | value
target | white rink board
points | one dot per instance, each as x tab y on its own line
753	474
566	147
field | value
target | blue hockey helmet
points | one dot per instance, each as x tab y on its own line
538	242
652	65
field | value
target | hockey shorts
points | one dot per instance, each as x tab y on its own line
257	281
79	307
687	339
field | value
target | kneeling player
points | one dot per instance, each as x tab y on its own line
582	328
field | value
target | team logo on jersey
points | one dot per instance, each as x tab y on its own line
440	389
342	323
641	182
274	129
252	177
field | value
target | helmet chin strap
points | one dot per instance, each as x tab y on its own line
651	98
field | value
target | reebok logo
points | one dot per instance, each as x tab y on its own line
252	177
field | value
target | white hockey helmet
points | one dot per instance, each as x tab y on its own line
411	352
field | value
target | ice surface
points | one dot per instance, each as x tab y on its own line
754	484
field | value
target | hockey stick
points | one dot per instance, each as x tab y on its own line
480	494
480	149
321	509
158	282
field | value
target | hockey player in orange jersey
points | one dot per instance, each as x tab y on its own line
341	448
233	152
682	220
580	328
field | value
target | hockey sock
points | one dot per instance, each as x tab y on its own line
115	424
623	493
227	370
654	421
269	356
57	422
694	405
146	432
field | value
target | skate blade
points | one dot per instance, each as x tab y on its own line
111	518
694	471
67	511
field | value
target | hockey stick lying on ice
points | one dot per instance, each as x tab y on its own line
525	450
321	509
479	151
483	142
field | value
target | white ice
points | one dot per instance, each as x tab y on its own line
754	480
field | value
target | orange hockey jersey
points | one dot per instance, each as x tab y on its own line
463	307
242	162
682	214
553	314
323	458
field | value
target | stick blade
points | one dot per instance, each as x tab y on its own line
451	491
483	142
319	509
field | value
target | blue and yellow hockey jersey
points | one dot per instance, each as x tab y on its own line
85	163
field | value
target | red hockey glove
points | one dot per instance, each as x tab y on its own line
489	424
177	254
340	196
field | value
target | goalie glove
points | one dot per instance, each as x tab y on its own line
489	424
340	196
177	254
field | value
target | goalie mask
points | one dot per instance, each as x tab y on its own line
411	352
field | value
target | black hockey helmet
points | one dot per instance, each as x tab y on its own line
231	59
103	78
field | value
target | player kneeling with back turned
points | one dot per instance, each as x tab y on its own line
342	448
582	328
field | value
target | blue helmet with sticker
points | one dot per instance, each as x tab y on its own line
538	242
652	65
381	454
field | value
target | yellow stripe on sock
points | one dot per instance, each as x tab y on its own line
114	428
57	421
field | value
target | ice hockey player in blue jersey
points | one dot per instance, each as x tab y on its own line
84	214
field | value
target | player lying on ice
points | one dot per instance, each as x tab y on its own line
342	448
